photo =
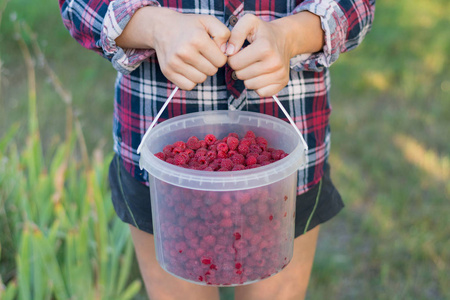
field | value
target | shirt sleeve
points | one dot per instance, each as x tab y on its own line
345	24
95	24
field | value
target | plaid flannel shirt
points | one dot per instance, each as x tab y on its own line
141	88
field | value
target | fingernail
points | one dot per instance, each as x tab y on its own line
223	48
230	49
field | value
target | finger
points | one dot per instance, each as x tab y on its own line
219	34
182	82
202	64
262	81
213	54
244	29
270	90
192	73
244	58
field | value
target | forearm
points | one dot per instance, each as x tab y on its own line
140	30
302	31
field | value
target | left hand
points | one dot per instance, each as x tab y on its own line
264	64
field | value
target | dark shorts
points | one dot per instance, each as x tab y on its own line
131	200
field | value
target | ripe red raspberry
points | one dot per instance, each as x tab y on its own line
238	168
200	152
261	140
193	143
262	158
222	154
276	154
209	240
206	260
251	160
238	159
167	150
210	139
227	164
232	143
250	134
180	159
246	141
225	199
233	134
237	236
243	149
211	155
222	147
255	148
226	223
180	144
161	155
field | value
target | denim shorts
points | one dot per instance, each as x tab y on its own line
131	200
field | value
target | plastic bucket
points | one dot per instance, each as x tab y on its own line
223	228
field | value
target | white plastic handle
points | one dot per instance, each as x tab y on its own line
156	119
176	89
291	121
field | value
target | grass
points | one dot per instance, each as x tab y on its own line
390	150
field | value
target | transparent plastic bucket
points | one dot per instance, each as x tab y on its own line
223	228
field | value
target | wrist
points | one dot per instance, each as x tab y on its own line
302	32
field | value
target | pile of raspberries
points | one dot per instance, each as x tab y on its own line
227	154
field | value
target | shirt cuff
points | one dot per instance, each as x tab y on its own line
117	17
334	25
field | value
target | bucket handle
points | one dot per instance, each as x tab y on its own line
176	89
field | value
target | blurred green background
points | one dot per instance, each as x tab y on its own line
60	239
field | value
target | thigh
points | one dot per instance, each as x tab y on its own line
292	282
161	285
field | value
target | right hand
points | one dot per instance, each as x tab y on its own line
189	47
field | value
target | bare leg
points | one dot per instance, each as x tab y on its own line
292	282
161	285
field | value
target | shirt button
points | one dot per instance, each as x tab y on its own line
233	75
233	20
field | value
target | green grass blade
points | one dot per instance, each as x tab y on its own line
10	292
9	135
23	265
131	291
48	258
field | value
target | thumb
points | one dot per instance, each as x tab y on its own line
218	32
244	29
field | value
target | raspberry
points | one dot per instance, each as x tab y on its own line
167	150
222	147
276	154
180	144
251	160
238	168
222	154
238	265
179	159
210	139
238	159
250	134
243	149
232	143
225	199
209	240
193	143
226	223
261	141
200	152
206	260
255	148
270	217
233	134
211	155
161	155
237	236
262	158
227	164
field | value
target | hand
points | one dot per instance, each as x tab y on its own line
264	65
188	46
